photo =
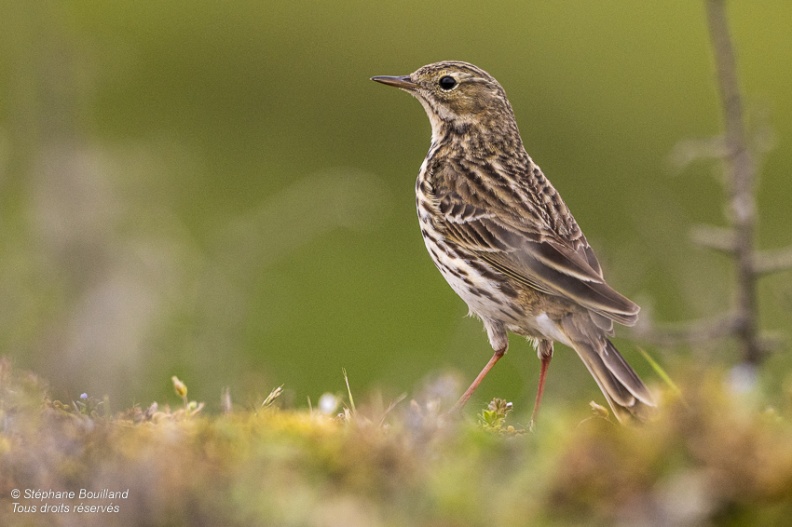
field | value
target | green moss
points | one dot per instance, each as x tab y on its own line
712	458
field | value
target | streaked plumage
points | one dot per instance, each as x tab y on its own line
504	239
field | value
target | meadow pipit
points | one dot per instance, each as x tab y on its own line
504	239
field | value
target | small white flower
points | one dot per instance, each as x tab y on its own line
328	403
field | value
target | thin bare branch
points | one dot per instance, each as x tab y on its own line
737	239
689	151
741	172
701	331
719	239
767	262
698	331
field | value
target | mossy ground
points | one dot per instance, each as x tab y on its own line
709	458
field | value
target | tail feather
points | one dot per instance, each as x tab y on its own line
626	394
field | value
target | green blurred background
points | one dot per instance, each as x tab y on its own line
216	190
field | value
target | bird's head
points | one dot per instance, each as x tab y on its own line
456	96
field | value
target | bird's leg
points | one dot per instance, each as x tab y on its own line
545	351
472	388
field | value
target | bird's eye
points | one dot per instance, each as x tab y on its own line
447	82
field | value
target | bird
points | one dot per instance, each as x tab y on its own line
506	242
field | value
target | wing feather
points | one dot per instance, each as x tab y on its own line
534	256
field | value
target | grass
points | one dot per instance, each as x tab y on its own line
712	458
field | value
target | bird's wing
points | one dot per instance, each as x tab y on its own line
527	251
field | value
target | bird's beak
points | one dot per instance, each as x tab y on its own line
403	82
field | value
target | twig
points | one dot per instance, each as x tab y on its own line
692	332
741	169
736	240
767	262
719	239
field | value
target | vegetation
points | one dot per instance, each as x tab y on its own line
712	458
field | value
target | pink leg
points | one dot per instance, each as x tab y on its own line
545	355
465	396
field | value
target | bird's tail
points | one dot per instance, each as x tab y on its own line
627	395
